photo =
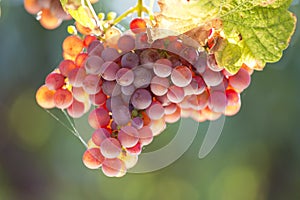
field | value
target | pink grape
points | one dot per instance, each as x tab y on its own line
54	81
100	135
233	97
76	109
79	94
162	67
129	159
99	118
92	158
93	64
201	63
66	66
141	99
158	126
181	76
137	122
113	167
175	47
217	101
108	70
128	90
63	98
197	86
128	136
95	48
148	57
175	94
130	60
170	108
120	113
135	150
143	77
212	78
159	86
110	54
91	84
145	135
124	76
164	100
240	80
212	63
126	43
76	77
155	111
111	88
190	54
98	99
110	148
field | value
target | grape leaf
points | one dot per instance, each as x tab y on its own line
259	29
80	12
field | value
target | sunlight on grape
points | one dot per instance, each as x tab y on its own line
32	125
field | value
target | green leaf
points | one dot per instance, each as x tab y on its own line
80	12
261	29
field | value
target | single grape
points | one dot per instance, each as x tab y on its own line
175	94
32	6
124	77
93	65
54	81
79	94
175	47
137	122
174	117
95	48
111	37
45	97
145	135
98	99
170	108
130	60
157	126
162	67
141	99
109	70
148	57
164	100
81	59
63	98
129	159
233	97
66	66
126	43
110	148
99	118
120	113
91	84
110	54
128	90
240	80
201	63
48	20
233	109
88	39
181	76
212	78
76	109
100	135
114	167
190	54
135	150
111	88
128	136
159	86
217	101
92	158
72	45
76	77
142	76
155	111
138	25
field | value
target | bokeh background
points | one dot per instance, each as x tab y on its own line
256	158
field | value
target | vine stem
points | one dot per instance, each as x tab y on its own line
75	132
140	8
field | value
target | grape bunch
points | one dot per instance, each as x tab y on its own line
135	86
49	12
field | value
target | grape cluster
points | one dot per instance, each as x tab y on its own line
137	86
49	12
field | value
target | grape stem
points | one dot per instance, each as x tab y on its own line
139	8
75	132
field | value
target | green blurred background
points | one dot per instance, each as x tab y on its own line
256	158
